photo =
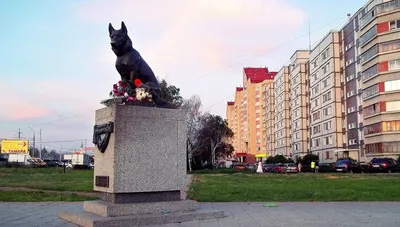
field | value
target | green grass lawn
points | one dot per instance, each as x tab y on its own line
245	187
227	186
24	196
47	179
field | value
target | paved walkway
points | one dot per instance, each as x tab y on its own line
239	214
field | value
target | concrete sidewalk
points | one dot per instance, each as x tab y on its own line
239	214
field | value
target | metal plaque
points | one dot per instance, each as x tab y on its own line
102	181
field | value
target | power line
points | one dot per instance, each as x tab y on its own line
268	50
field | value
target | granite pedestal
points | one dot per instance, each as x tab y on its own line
141	173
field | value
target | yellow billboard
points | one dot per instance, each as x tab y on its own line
14	146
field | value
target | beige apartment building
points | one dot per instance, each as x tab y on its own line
326	133
269	117
245	115
282	113
299	103
379	63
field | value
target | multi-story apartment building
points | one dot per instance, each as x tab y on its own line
299	103
231	119
351	97
379	63
282	112
247	119
325	98
269	117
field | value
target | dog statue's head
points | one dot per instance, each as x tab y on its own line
118	37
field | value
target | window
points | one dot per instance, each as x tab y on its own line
326	68
328	125
394	65
372	129
368	35
389	46
314	77
326	97
370	91
316	142
387	7
315	103
316	116
296	147
392	85
328	140
367	17
328	155
352	142
351	109
350	93
349	77
369	54
327	111
326	54
297	135
316	129
315	90
296	124
352	125
370	72
326	83
386	147
393	105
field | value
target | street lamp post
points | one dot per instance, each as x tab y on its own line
34	142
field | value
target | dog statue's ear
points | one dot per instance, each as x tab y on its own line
110	28
123	27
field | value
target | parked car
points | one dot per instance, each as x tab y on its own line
251	166
386	165
347	166
51	163
290	168
239	166
268	167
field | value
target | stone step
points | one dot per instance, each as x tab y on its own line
106	209
87	219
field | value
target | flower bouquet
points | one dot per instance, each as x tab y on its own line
135	93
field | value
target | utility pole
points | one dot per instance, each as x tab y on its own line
40	139
309	35
19	133
34	142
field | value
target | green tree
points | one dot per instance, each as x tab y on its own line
308	158
280	159
213	132
170	93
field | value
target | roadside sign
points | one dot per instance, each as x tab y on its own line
14	146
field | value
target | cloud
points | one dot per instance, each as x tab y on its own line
179	36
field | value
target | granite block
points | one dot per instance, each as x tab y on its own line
113	210
87	219
146	152
140	197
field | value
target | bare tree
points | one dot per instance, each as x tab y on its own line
214	129
192	107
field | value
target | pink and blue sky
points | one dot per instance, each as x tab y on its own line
56	62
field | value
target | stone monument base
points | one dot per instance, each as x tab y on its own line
139	170
104	214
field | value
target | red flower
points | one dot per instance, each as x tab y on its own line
137	82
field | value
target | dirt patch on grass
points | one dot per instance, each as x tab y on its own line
332	177
87	194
